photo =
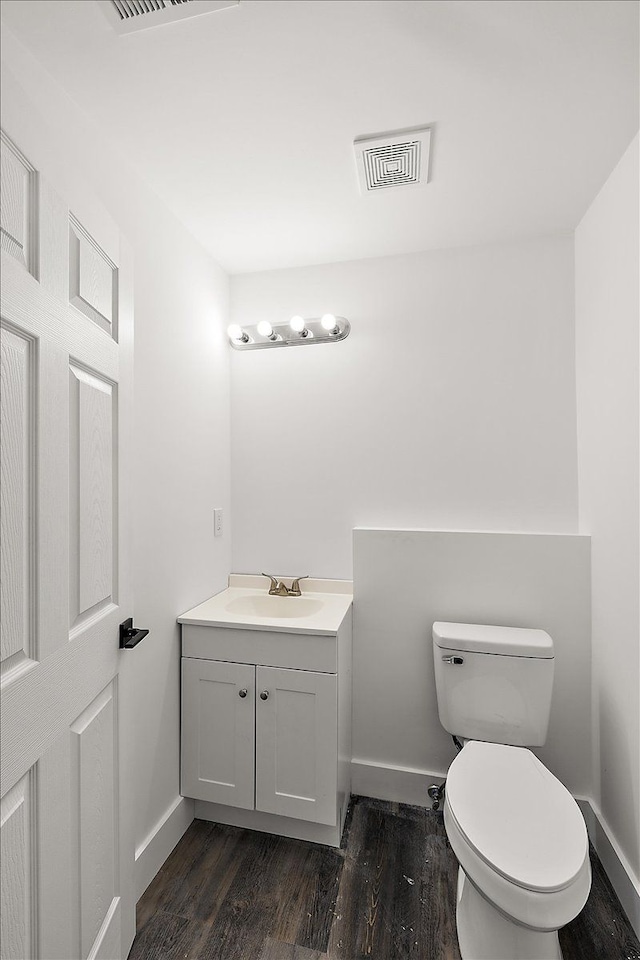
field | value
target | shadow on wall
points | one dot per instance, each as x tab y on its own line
611	739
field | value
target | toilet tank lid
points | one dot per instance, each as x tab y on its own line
483	638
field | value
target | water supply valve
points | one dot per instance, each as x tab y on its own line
436	792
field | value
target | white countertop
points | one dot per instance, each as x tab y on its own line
246	604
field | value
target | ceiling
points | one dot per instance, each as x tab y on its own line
243	120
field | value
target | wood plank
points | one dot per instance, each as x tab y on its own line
246	915
194	881
277	950
601	929
307	892
388	894
397	894
438	886
168	937
173	876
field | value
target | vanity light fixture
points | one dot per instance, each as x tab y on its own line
330	324
237	335
297	325
265	329
297	331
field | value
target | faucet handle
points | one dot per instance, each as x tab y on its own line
274	582
295	585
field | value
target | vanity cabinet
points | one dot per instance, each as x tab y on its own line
266	723
286	718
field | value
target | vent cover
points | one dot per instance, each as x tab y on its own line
129	15
393	159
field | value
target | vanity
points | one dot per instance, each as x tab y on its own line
266	708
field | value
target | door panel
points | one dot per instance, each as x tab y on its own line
296	744
94	784
17	393
91	455
66	822
92	279
18	203
218	731
17	880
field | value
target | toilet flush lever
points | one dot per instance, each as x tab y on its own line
455	660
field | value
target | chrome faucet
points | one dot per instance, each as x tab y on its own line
280	589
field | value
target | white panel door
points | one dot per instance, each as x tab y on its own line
218	731
65	809
296	744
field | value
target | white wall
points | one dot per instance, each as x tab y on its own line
181	473
404	580
607	258
181	461
451	404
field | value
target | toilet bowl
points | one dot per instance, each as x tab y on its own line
523	851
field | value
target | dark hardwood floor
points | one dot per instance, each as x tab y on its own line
387	894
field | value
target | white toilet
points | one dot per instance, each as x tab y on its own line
516	831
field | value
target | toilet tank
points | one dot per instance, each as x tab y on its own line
493	683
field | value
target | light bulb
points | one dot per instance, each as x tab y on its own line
235	332
297	323
329	323
265	329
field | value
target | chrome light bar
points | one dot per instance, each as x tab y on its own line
297	332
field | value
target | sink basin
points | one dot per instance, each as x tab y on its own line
276	607
246	605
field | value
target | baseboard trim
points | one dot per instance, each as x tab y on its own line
389	782
409	785
156	847
614	862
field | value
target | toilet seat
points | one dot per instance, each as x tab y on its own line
518	834
517	816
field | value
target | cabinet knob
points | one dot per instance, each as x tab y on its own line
264	695
242	693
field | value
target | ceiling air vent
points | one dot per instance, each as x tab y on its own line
393	159
129	15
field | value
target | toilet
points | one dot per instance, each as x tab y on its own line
518	834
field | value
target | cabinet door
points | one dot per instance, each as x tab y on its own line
218	731
296	744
